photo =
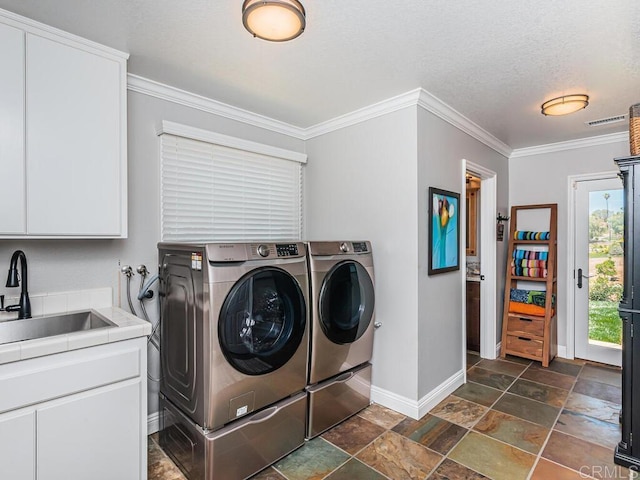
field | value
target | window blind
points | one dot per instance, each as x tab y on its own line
216	193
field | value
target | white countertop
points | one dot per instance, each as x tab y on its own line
127	326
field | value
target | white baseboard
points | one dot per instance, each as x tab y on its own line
417	409
153	423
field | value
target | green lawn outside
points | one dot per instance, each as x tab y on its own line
604	322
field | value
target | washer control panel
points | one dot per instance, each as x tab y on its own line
287	249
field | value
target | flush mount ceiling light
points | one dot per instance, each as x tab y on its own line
565	104
274	20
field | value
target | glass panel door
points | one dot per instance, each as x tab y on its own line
599	269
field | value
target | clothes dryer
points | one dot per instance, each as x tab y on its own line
342	326
234	344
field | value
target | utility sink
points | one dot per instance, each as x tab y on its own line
49	326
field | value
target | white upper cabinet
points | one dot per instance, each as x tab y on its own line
67	151
12	193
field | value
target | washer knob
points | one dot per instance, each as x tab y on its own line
344	247
263	251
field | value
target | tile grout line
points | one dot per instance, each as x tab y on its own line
551	430
504	392
470	429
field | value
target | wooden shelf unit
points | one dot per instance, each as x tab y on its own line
531	336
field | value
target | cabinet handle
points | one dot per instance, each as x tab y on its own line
524	338
526	319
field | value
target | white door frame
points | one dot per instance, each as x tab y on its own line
571	253
488	260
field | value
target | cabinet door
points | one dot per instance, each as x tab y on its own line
18	445
473	316
12	198
94	435
73	141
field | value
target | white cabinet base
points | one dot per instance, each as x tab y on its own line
76	415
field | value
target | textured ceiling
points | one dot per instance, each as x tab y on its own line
494	62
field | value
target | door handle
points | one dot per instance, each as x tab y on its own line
581	276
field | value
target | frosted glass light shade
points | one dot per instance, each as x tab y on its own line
274	20
565	104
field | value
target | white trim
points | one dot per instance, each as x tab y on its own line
369	112
159	90
571	144
46	31
153	423
417	409
418	96
463	271
442	391
229	141
570	348
449	114
562	352
488	259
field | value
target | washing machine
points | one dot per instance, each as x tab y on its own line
234	355
342	329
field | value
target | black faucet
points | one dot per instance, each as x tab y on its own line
24	307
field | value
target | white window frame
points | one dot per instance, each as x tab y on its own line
233	153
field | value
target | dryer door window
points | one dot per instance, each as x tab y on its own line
262	321
346	302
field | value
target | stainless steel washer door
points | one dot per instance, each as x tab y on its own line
346	302
262	321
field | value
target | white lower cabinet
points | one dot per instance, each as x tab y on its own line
83	425
18	445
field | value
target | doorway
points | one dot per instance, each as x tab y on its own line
598	268
472	251
486	255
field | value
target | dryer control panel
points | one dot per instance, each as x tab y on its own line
360	247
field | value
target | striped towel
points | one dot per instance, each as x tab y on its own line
527	235
530	255
529	263
529	272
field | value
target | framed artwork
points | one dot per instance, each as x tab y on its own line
444	231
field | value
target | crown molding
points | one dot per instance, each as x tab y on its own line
155	89
419	97
384	107
52	33
571	144
414	97
455	118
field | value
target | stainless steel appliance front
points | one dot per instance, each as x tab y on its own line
238	450
234	327
343	301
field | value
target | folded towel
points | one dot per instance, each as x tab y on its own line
530	255
527	309
529	263
528	235
529	272
534	297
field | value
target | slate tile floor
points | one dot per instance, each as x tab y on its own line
512	420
